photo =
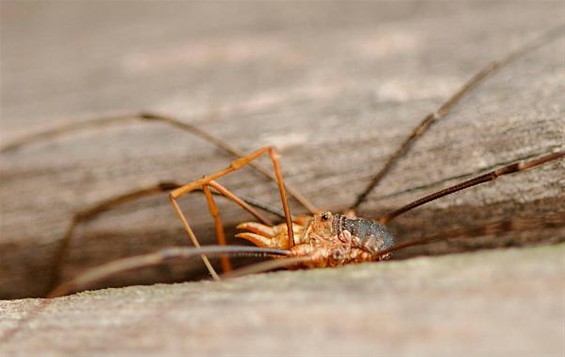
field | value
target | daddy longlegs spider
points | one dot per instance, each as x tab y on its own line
319	239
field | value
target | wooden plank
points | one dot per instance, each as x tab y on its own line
431	306
337	89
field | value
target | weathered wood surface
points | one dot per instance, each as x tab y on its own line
470	304
337	87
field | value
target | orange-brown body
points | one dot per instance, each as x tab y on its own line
327	239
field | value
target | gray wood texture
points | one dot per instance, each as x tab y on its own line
471	304
335	86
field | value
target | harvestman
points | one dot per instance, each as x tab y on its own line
319	239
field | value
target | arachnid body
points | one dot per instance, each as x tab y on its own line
330	240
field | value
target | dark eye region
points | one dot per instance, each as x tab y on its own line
325	216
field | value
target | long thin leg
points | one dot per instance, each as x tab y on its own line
166	255
266	266
235	165
92	212
215	213
156	258
152	117
118	200
141	261
514	224
242	203
489	176
444	109
220	235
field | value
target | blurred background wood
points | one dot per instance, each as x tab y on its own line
336	86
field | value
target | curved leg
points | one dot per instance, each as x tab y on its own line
152	117
134	195
92	212
430	119
156	258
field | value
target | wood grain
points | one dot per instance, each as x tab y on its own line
436	306
336	87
